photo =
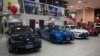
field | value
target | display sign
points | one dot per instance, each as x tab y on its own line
43	9
53	10
30	7
61	11
1	5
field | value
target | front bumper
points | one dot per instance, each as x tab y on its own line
25	47
64	39
82	35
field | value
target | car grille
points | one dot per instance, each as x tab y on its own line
84	35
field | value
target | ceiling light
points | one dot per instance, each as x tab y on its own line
79	1
65	4
56	1
77	8
71	6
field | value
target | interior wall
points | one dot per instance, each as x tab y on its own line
27	17
79	15
88	15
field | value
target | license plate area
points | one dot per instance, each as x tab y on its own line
29	46
67	38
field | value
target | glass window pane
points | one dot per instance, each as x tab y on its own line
49	2
42	1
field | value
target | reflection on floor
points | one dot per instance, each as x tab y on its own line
89	47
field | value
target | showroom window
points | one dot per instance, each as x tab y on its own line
32	0
1	5
56	2
49	2
43	1
64	4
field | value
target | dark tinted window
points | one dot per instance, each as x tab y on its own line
73	27
18	30
64	4
66	13
42	1
1	5
32	0
56	2
61	3
49	2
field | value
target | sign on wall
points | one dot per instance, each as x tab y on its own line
53	10
31	7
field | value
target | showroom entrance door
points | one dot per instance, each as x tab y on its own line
41	23
65	22
32	24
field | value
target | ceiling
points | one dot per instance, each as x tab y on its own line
84	4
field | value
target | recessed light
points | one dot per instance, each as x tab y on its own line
77	8
79	1
65	4
56	1
71	6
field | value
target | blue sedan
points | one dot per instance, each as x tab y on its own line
55	34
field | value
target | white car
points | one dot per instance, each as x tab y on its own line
78	32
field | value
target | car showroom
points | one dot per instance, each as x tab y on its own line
49	27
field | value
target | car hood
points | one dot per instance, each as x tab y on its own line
78	30
60	32
25	38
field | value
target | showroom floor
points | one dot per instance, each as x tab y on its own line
89	47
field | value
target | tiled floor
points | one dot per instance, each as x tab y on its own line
89	47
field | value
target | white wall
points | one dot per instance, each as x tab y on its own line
79	15
37	1
27	17
88	15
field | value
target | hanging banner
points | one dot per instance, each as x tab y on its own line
53	10
31	7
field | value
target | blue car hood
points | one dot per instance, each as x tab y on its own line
60	35
61	32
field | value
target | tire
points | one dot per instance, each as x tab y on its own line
95	34
10	49
51	38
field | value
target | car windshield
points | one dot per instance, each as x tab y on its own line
73	27
55	28
19	30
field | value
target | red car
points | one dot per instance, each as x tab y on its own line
93	31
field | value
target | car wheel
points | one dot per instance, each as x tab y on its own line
51	38
10	49
95	34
